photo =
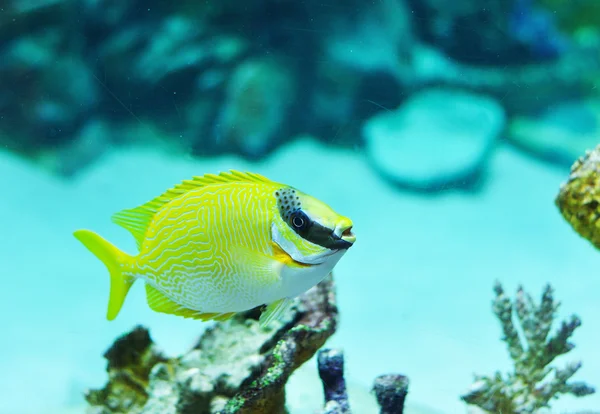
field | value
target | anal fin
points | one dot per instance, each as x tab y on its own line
158	302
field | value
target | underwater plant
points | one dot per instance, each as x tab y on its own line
533	383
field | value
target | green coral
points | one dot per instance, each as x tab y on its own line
534	383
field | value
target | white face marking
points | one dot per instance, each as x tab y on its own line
296	281
338	231
290	248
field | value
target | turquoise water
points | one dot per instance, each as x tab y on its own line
414	293
446	198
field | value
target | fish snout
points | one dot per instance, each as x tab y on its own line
344	231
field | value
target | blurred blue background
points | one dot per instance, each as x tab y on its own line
443	129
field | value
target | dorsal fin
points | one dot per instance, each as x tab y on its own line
137	219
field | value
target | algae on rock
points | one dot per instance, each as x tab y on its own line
236	367
534	383
130	361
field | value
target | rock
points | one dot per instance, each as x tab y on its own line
331	372
179	73
200	74
33	54
366	66
83	149
28	6
391	391
51	91
438	137
130	360
501	32
379	38
236	367
36	51
70	85
173	48
574	17
521	88
257	98
579	197
333	101
561	133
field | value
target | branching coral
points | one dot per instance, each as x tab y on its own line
533	384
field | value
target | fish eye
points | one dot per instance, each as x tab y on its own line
299	220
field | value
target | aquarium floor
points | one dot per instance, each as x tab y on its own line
415	291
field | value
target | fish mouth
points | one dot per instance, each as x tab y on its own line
339	238
348	236
343	238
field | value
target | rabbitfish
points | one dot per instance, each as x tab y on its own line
221	244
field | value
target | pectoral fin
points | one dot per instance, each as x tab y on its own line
264	270
275	311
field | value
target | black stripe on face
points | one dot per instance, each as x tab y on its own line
314	232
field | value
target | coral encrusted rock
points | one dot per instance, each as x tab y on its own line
236	366
579	198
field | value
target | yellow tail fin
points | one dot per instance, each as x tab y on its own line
113	259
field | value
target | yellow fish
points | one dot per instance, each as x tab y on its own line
220	244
